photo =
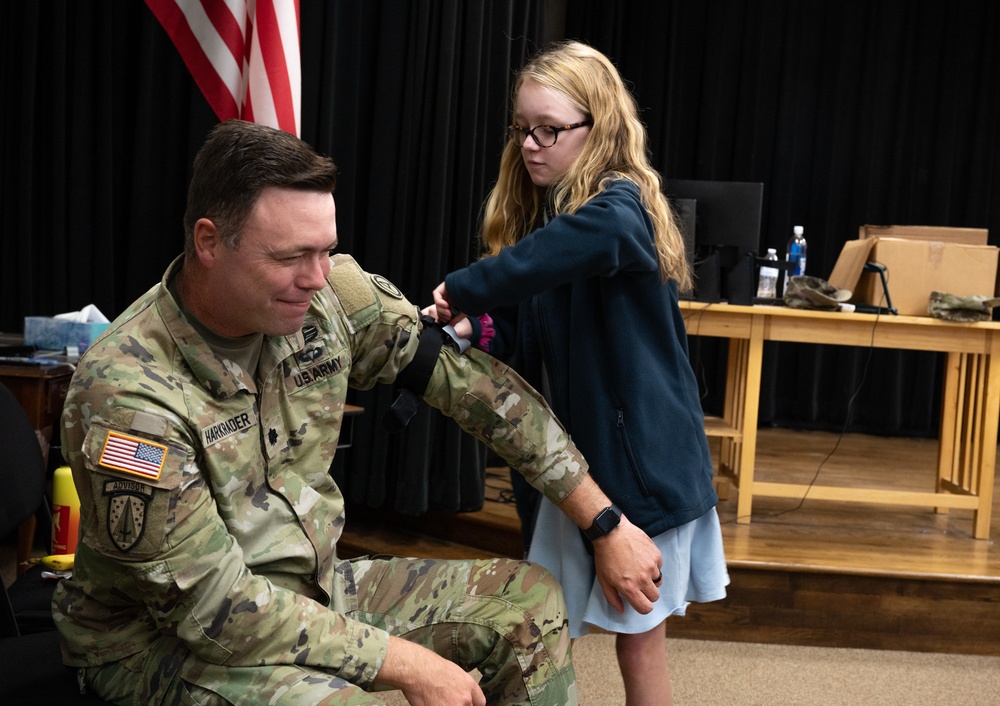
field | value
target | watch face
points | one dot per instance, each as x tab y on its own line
609	520
606	521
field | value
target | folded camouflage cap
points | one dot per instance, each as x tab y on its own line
951	307
805	292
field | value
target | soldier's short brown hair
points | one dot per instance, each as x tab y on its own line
237	162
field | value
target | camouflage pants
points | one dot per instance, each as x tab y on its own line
505	618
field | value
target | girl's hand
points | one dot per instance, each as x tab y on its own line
443	304
461	323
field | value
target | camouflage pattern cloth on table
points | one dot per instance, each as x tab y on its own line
952	307
209	521
806	292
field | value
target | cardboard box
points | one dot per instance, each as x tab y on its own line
56	334
914	267
964	236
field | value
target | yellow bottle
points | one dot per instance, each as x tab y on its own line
65	512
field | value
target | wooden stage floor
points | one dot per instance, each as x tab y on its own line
885	540
819	573
819	535
851	574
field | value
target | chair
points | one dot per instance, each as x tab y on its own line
24	607
32	666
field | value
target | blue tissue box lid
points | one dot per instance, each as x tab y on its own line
55	334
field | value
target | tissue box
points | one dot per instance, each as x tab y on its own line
56	334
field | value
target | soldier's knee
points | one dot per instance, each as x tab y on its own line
552	587
542	593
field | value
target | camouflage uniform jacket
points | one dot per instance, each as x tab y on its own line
208	513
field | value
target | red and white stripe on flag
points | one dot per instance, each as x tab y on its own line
133	455
243	54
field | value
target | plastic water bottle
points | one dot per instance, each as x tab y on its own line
796	253
767	285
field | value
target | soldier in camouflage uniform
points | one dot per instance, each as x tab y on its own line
200	429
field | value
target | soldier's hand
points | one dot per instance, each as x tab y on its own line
426	678
627	564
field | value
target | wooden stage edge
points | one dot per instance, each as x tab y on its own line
826	573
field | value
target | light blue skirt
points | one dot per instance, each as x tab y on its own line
694	569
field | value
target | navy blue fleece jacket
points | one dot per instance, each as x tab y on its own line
583	295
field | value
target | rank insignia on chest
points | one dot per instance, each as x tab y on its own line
132	455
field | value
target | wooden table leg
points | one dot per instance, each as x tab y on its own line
730	447
968	436
949	431
989	411
751	406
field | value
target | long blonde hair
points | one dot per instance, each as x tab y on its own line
615	149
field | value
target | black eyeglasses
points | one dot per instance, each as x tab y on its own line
543	135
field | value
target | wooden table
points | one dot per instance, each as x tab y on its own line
970	399
41	390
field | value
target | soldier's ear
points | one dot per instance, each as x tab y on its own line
207	242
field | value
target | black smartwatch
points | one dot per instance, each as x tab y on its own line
606	520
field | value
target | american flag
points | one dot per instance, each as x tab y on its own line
132	455
243	54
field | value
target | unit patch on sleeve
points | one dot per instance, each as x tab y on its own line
387	286
130	454
127	511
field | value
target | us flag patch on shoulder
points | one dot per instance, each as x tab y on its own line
130	454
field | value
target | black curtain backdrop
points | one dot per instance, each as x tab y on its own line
410	100
849	112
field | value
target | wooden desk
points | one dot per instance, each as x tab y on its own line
41	390
970	399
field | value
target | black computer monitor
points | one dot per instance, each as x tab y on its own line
726	229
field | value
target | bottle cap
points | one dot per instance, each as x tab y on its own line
799	230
